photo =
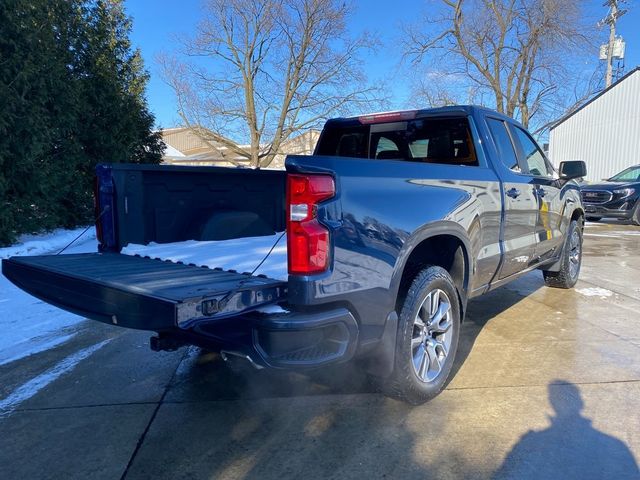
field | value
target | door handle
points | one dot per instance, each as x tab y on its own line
541	192
513	193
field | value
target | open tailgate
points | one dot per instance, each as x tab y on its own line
138	292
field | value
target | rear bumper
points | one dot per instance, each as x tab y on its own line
281	340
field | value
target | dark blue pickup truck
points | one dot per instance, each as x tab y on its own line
392	226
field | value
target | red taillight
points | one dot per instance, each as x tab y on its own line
96	208
307	239
388	117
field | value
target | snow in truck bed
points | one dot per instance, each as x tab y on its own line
240	254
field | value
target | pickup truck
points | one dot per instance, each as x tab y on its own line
393	224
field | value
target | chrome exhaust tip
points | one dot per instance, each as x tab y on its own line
225	354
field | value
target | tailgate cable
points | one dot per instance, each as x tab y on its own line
85	231
223	301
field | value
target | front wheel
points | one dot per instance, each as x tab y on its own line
570	262
635	219
427	340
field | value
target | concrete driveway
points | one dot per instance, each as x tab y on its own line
547	386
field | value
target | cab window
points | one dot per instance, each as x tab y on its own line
426	140
503	143
387	148
430	140
532	155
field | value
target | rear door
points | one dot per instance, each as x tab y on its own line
520	202
541	175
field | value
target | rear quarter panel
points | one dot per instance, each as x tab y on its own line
381	211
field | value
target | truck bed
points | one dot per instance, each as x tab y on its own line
137	292
267	255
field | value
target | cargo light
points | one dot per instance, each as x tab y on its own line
388	117
307	238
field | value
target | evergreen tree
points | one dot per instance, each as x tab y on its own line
34	94
71	96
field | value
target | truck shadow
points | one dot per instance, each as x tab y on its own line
375	437
306	437
204	376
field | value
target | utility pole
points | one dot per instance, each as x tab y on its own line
612	17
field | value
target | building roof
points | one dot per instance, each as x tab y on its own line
595	97
189	147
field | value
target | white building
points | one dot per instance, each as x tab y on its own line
604	132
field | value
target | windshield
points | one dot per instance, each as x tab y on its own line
629	175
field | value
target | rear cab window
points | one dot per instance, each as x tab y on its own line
434	140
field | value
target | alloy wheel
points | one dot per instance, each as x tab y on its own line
575	252
432	335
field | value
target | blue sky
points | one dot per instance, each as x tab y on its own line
155	27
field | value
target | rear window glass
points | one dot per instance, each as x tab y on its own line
344	142
427	140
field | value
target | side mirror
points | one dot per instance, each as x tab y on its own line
573	169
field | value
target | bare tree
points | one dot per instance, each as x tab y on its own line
517	50
263	70
441	89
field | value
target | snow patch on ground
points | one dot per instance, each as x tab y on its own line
29	325
33	386
30	347
240	254
51	242
595	292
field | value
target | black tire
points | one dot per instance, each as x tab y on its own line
570	262
405	383
635	218
594	219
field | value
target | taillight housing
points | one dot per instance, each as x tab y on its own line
97	210
307	239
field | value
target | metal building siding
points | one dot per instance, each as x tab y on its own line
605	133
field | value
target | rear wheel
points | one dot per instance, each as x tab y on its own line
594	219
427	341
570	262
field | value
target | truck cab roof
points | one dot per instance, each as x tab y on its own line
398	115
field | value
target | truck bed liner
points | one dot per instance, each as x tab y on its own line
139	292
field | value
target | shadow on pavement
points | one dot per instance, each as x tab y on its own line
570	447
204	376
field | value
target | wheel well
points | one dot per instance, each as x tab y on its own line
446	251
578	214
